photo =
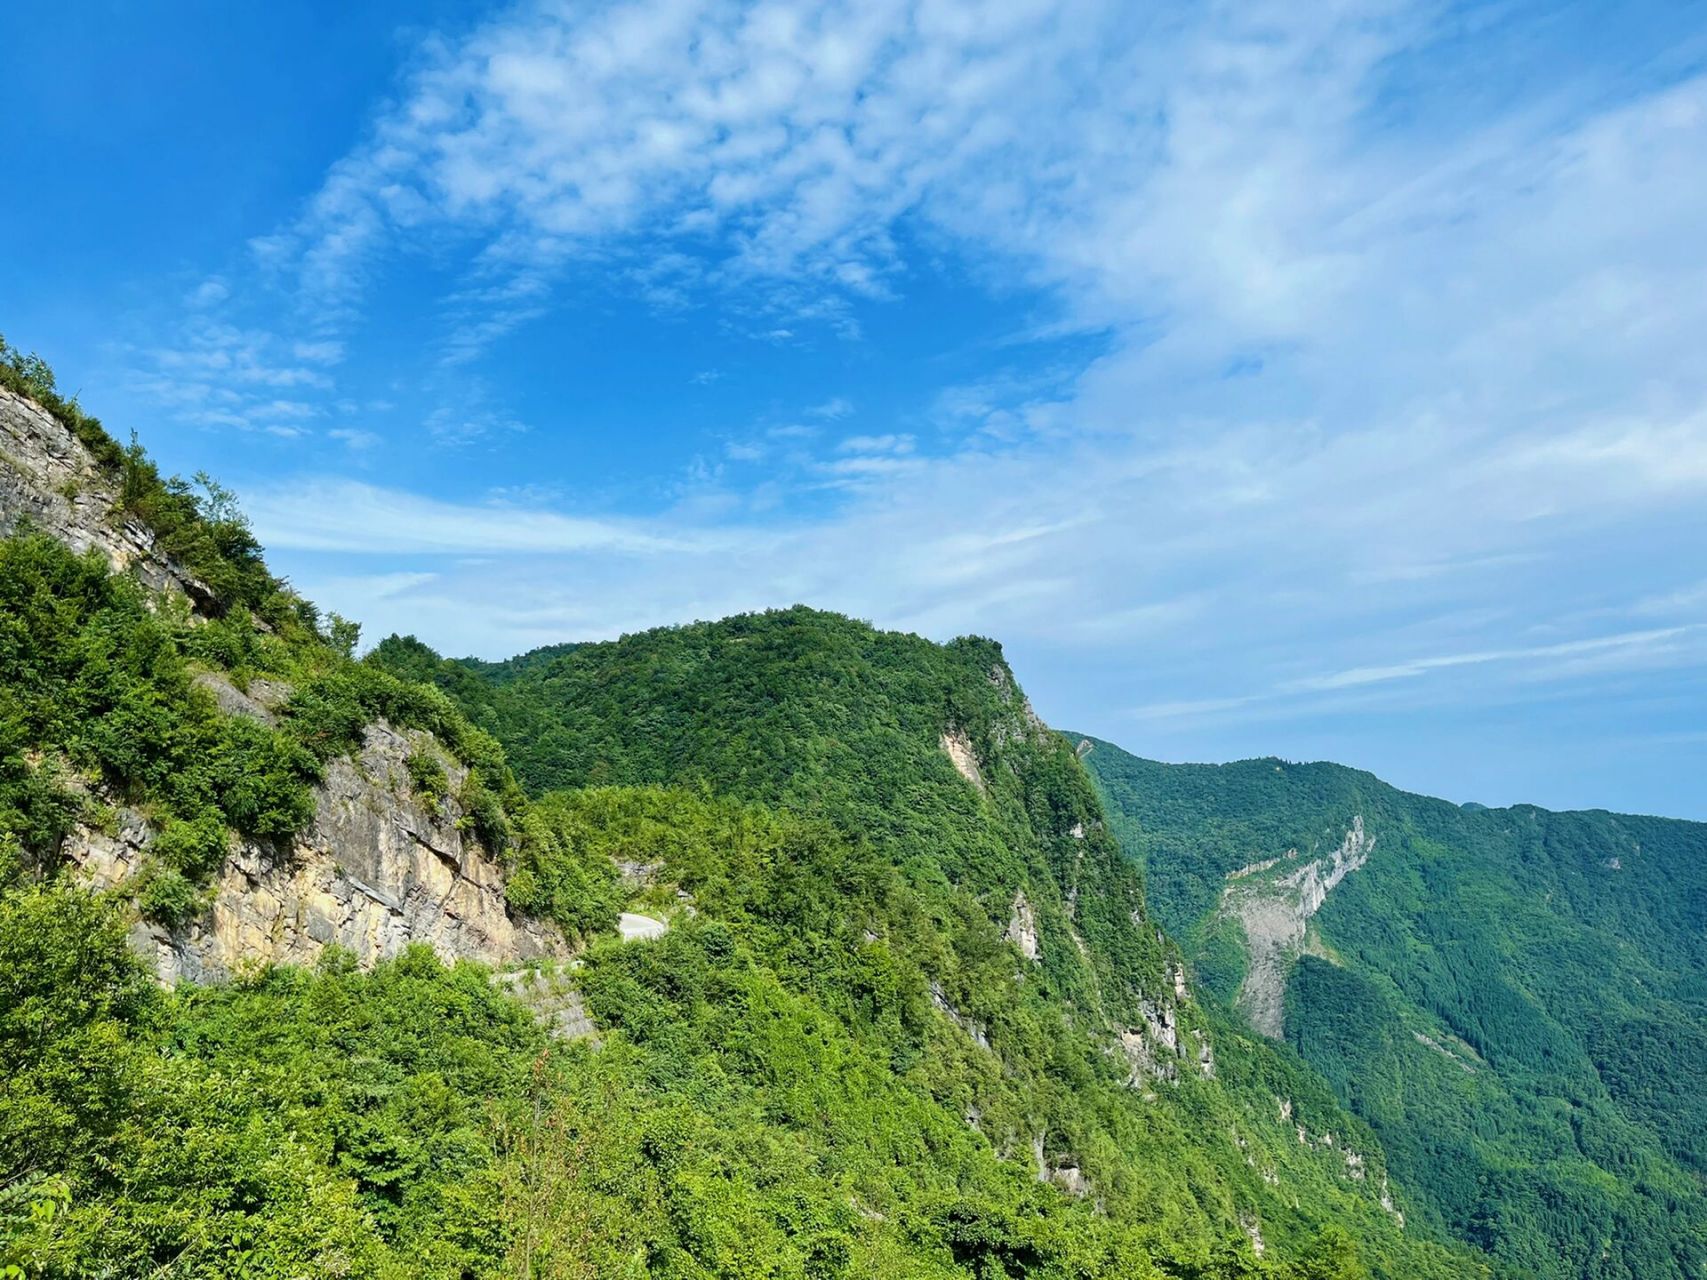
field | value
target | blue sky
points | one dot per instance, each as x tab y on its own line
1324	381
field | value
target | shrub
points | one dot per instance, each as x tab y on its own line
427	776
195	848
166	896
203	531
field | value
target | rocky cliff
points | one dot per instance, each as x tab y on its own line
50	481
377	867
1273	901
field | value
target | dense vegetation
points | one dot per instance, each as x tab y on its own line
110	702
1516	1000
828	717
818	716
834	1064
776	1094
412	1122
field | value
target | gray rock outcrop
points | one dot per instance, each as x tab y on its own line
49	480
1274	910
1022	928
958	748
376	869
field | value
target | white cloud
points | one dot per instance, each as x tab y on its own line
1387	364
355	438
893	443
1217	185
1622	645
869	465
469	420
210	292
833	408
289	409
348	516
217	374
323	351
1688	599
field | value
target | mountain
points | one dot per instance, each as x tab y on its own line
1001	898
1515	1000
779	946
205	737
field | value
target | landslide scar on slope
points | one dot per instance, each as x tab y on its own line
958	747
1273	910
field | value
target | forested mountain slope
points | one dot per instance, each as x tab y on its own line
910	1016
1515	1000
1002	897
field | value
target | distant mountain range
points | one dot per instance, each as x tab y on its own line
1515	1000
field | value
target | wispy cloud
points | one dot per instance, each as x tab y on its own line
893	443
834	408
464	424
1631	645
323	351
348	516
1373	357
356	438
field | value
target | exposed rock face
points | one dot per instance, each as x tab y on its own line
638	928
375	870
1446	1051
1025	725
1156	1050
958	747
1022	927
48	479
1141	1061
550	991
1063	1173
1387	1204
1253	1228
259	701
1205	1055
940	999
1274	910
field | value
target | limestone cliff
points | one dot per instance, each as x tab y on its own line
376	868
49	480
1273	901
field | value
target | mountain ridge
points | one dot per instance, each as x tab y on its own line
840	1057
332	842
1512	997
669	690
